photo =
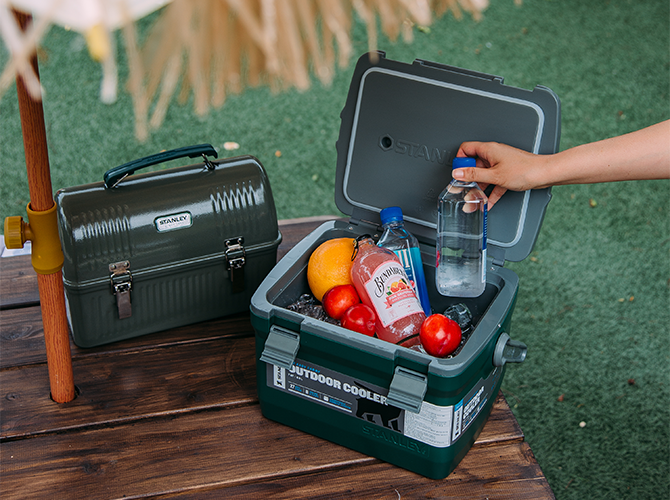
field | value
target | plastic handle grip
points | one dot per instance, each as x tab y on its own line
508	351
113	176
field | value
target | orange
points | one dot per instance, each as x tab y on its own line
330	265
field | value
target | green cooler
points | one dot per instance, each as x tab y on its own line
401	127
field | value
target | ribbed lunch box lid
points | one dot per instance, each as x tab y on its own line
160	219
402	125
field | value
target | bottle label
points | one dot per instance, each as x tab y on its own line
485	230
391	293
407	263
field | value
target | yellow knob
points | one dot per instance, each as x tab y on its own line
99	45
15	235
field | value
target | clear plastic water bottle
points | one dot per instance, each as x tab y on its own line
405	245
461	237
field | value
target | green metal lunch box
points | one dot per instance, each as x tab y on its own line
401	127
168	248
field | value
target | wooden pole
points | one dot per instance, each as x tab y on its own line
52	295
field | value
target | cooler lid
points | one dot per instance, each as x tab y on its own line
401	127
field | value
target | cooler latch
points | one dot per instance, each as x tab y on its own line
407	389
122	283
281	347
235	260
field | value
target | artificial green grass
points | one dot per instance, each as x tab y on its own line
593	303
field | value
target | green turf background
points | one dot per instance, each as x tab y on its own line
593	301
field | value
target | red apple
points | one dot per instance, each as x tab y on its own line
440	336
338	299
360	318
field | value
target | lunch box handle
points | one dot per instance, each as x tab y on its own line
115	175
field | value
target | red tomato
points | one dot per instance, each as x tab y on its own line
440	336
360	318
338	299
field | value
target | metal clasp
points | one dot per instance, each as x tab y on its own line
121	280
235	260
208	164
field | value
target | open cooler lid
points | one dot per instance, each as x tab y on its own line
402	125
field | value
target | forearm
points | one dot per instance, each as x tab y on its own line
644	154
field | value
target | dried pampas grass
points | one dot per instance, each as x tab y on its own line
213	48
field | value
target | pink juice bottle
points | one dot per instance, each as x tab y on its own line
382	284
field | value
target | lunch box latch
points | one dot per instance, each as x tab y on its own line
235	260
281	347
122	283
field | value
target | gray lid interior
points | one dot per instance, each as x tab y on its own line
401	127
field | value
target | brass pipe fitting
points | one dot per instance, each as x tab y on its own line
42	231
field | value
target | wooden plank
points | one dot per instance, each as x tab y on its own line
18	282
509	474
133	384
226	448
130	386
22	336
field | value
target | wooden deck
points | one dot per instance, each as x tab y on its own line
176	415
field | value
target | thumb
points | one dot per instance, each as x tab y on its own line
468	174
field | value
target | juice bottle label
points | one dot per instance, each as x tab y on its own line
391	293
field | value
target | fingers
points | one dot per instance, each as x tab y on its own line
474	149
483	175
496	194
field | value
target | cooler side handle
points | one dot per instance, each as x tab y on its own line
115	175
508	351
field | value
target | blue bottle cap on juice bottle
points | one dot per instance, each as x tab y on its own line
390	214
460	162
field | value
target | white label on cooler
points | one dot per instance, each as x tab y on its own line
279	377
432	425
458	420
391	293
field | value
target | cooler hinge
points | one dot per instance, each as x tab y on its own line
366	227
497	255
235	260
121	280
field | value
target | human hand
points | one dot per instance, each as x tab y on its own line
503	166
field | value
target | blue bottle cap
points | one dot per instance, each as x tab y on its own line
390	214
463	162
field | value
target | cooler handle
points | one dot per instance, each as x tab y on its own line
115	175
508	351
